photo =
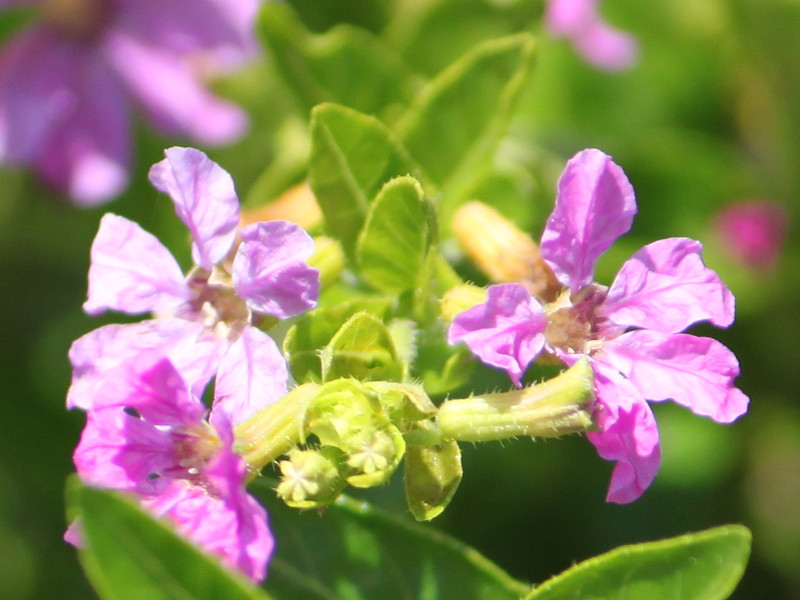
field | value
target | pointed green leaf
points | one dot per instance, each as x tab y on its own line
306	339
362	348
432	477
697	566
456	123
129	555
395	240
352	156
346	64
354	551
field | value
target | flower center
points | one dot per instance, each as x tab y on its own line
194	447
567	331
216	304
77	19
571	322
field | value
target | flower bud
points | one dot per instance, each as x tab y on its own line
460	298
505	253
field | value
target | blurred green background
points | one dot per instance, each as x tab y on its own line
710	116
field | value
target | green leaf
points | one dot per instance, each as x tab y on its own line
353	551
352	156
456	123
129	555
363	348
346	65
697	566
306	339
396	237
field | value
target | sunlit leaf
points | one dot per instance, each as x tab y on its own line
352	156
697	566
362	348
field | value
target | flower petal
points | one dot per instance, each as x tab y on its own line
224	520
666	287
628	435
149	383
696	372
172	95
120	451
594	206
252	374
204	198
192	350
131	271
270	272
507	331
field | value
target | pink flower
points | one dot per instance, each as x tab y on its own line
753	232
631	333
596	41
146	434
67	84
204	322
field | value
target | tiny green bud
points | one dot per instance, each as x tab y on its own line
374	455
556	407
310	478
432	475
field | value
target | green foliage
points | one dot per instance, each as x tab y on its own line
396	237
352	156
696	566
369	553
455	124
312	333
362	348
128	555
347	65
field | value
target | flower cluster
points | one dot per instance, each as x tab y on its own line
141	383
67	83
632	332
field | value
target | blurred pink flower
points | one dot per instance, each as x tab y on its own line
597	42
631	333
146	434
67	84
753	232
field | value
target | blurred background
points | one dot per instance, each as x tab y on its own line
708	119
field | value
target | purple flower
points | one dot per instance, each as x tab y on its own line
631	332
596	41
67	83
753	232
146	434
204	322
